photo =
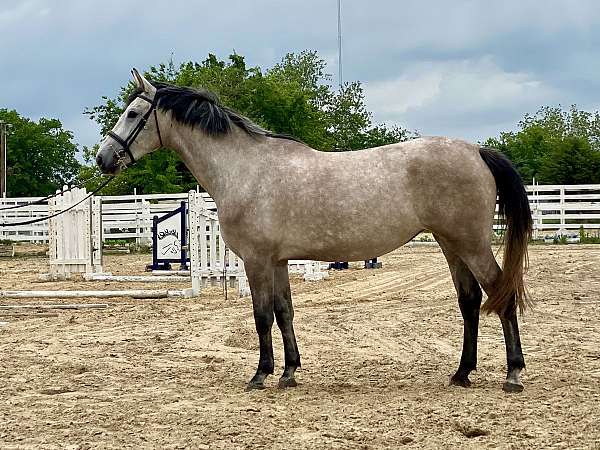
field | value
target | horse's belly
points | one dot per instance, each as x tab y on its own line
347	242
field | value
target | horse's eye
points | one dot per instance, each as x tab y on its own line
132	114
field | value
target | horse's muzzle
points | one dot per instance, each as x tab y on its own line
108	165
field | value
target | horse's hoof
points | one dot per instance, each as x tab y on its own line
287	383
252	386
512	387
462	382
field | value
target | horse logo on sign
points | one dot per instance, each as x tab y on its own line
169	234
169	243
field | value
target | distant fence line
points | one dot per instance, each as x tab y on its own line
564	207
554	207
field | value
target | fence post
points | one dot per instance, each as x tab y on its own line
137	212
194	236
212	251
562	207
60	231
243	286
146	221
96	234
86	246
184	238
52	232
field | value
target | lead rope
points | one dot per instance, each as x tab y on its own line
43	200
41	219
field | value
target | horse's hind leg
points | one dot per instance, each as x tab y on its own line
514	353
488	273
284	314
469	301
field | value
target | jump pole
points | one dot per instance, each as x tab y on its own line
134	293
49	306
134	278
171	273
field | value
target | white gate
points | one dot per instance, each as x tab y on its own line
75	237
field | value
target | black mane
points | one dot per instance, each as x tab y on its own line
202	108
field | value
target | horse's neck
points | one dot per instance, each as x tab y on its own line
217	162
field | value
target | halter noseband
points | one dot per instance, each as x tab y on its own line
126	143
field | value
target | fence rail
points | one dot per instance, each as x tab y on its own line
554	207
564	207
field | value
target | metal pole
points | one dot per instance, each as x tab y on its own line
340	71
3	134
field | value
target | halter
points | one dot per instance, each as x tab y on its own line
126	143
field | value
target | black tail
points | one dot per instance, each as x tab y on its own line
513	205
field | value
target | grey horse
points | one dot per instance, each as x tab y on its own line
279	199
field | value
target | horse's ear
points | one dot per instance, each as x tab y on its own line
142	83
137	78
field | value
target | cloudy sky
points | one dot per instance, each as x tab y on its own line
458	68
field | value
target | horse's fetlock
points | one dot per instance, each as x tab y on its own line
518	364
293	362
266	367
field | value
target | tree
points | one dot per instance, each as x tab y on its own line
381	135
348	117
571	161
527	149
554	146
40	155
293	97
159	172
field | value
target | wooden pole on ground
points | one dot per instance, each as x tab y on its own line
137	278
48	306
135	293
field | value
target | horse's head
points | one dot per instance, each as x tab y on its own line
136	132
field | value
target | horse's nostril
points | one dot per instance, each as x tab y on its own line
99	160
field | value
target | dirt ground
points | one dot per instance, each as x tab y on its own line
377	349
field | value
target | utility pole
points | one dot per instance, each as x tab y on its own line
340	72
3	138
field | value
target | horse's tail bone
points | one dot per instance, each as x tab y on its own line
513	206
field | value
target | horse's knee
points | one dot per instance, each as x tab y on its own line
284	313
263	320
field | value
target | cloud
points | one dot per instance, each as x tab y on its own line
11	14
394	98
457	68
457	96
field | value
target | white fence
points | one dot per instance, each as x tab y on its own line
566	207
35	232
123	216
554	207
210	260
75	244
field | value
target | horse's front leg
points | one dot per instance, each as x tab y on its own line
284	314
261	279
